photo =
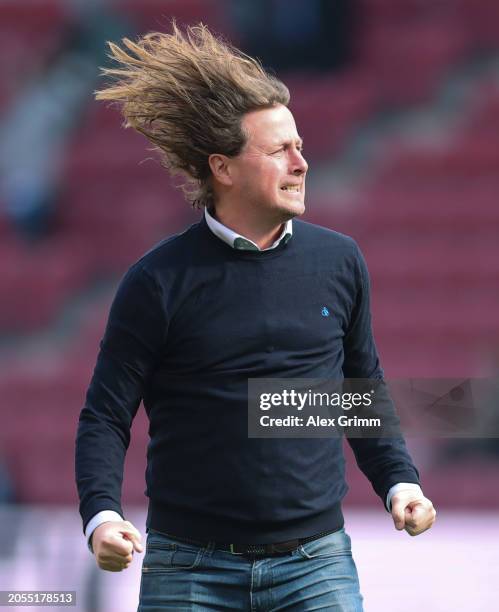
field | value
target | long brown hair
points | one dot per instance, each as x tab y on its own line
187	92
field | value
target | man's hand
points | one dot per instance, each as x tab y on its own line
113	544
412	511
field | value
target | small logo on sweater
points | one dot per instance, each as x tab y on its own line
325	311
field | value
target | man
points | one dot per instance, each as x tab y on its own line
234	522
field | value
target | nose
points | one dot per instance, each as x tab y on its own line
299	163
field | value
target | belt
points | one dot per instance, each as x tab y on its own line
255	550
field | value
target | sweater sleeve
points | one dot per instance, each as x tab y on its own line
129	352
385	460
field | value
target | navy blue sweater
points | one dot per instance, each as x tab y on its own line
193	320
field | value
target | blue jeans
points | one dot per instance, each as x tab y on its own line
319	575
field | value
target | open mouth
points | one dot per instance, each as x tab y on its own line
291	188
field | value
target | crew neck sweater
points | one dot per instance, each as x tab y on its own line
191	322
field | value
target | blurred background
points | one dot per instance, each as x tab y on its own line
398	104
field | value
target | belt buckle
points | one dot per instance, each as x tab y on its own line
231	548
269	550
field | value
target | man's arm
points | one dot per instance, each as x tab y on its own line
385	461
130	351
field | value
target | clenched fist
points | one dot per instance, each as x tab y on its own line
113	544
412	511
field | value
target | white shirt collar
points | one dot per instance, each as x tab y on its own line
236	241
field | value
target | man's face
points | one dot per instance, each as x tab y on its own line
269	173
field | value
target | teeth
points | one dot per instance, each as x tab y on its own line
294	188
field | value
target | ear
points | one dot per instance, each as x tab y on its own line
220	168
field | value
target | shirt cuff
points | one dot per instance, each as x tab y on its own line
104	516
401	486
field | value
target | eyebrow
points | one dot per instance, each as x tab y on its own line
298	140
